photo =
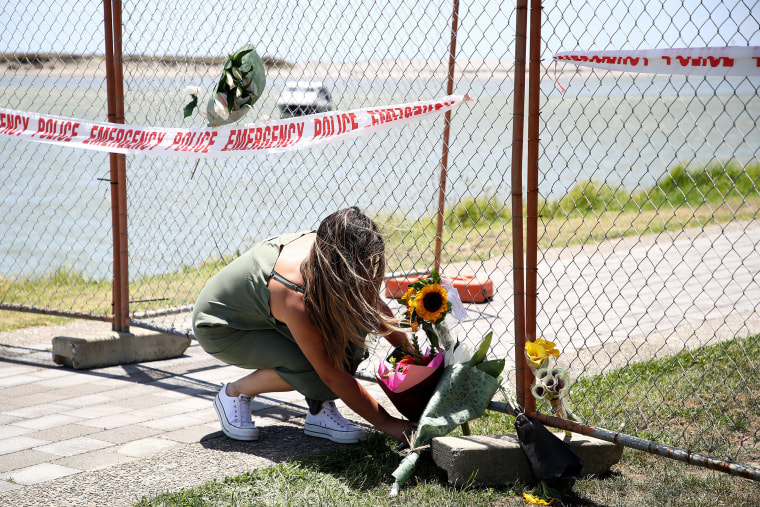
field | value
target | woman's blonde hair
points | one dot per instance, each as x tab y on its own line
342	278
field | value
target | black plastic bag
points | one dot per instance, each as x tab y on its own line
549	457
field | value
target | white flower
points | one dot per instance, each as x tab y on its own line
459	354
220	106
191	90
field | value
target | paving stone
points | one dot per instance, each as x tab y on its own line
54	372
73	446
142	401
95	411
94	460
14	444
16	380
36	474
66	381
125	434
6	419
207	414
33	411
36	399
190	434
10	430
12	370
171	423
83	389
146	447
22	459
47	421
22	390
63	432
88	400
9	486
116	420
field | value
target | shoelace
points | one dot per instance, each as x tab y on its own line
243	408
332	412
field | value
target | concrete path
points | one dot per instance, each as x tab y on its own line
109	436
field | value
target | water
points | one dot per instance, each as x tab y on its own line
629	131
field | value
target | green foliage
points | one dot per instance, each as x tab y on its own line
590	196
472	211
711	184
721	380
714	184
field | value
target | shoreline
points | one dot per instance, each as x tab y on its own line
70	65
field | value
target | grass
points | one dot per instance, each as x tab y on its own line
476	228
360	474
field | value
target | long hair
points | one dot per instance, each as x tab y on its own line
342	278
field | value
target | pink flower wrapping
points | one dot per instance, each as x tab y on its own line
410	386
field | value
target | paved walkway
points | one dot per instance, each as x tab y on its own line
108	436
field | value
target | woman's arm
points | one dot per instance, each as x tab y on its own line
396	338
342	383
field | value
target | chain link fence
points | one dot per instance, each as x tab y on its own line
648	229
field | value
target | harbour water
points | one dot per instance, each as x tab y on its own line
623	130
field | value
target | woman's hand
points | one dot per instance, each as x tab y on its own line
400	429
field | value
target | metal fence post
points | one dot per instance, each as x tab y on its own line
114	83
531	241
446	128
518	118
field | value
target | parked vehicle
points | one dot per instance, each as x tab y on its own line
304	97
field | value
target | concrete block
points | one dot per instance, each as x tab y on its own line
114	348
499	460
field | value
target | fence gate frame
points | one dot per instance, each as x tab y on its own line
526	270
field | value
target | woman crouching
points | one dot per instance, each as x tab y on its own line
296	308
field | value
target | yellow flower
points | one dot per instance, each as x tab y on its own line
539	351
408	295
538	501
431	303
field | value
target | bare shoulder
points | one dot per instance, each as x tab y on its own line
286	304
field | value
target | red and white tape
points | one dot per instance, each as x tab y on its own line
716	61
264	137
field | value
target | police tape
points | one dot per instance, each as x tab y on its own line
708	61
262	137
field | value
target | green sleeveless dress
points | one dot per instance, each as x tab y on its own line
232	321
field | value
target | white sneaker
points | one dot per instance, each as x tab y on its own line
235	416
329	424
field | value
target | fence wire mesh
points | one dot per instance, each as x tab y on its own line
648	231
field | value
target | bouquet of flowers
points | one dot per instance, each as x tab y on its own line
412	377
241	84
551	384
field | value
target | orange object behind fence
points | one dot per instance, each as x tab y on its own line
471	290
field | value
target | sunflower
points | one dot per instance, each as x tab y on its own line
431	303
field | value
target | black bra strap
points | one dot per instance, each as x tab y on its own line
287	283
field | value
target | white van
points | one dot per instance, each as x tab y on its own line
304	97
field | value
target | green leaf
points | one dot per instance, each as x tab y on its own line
480	354
494	367
191	106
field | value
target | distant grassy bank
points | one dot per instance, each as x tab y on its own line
476	228
480	228
40	60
